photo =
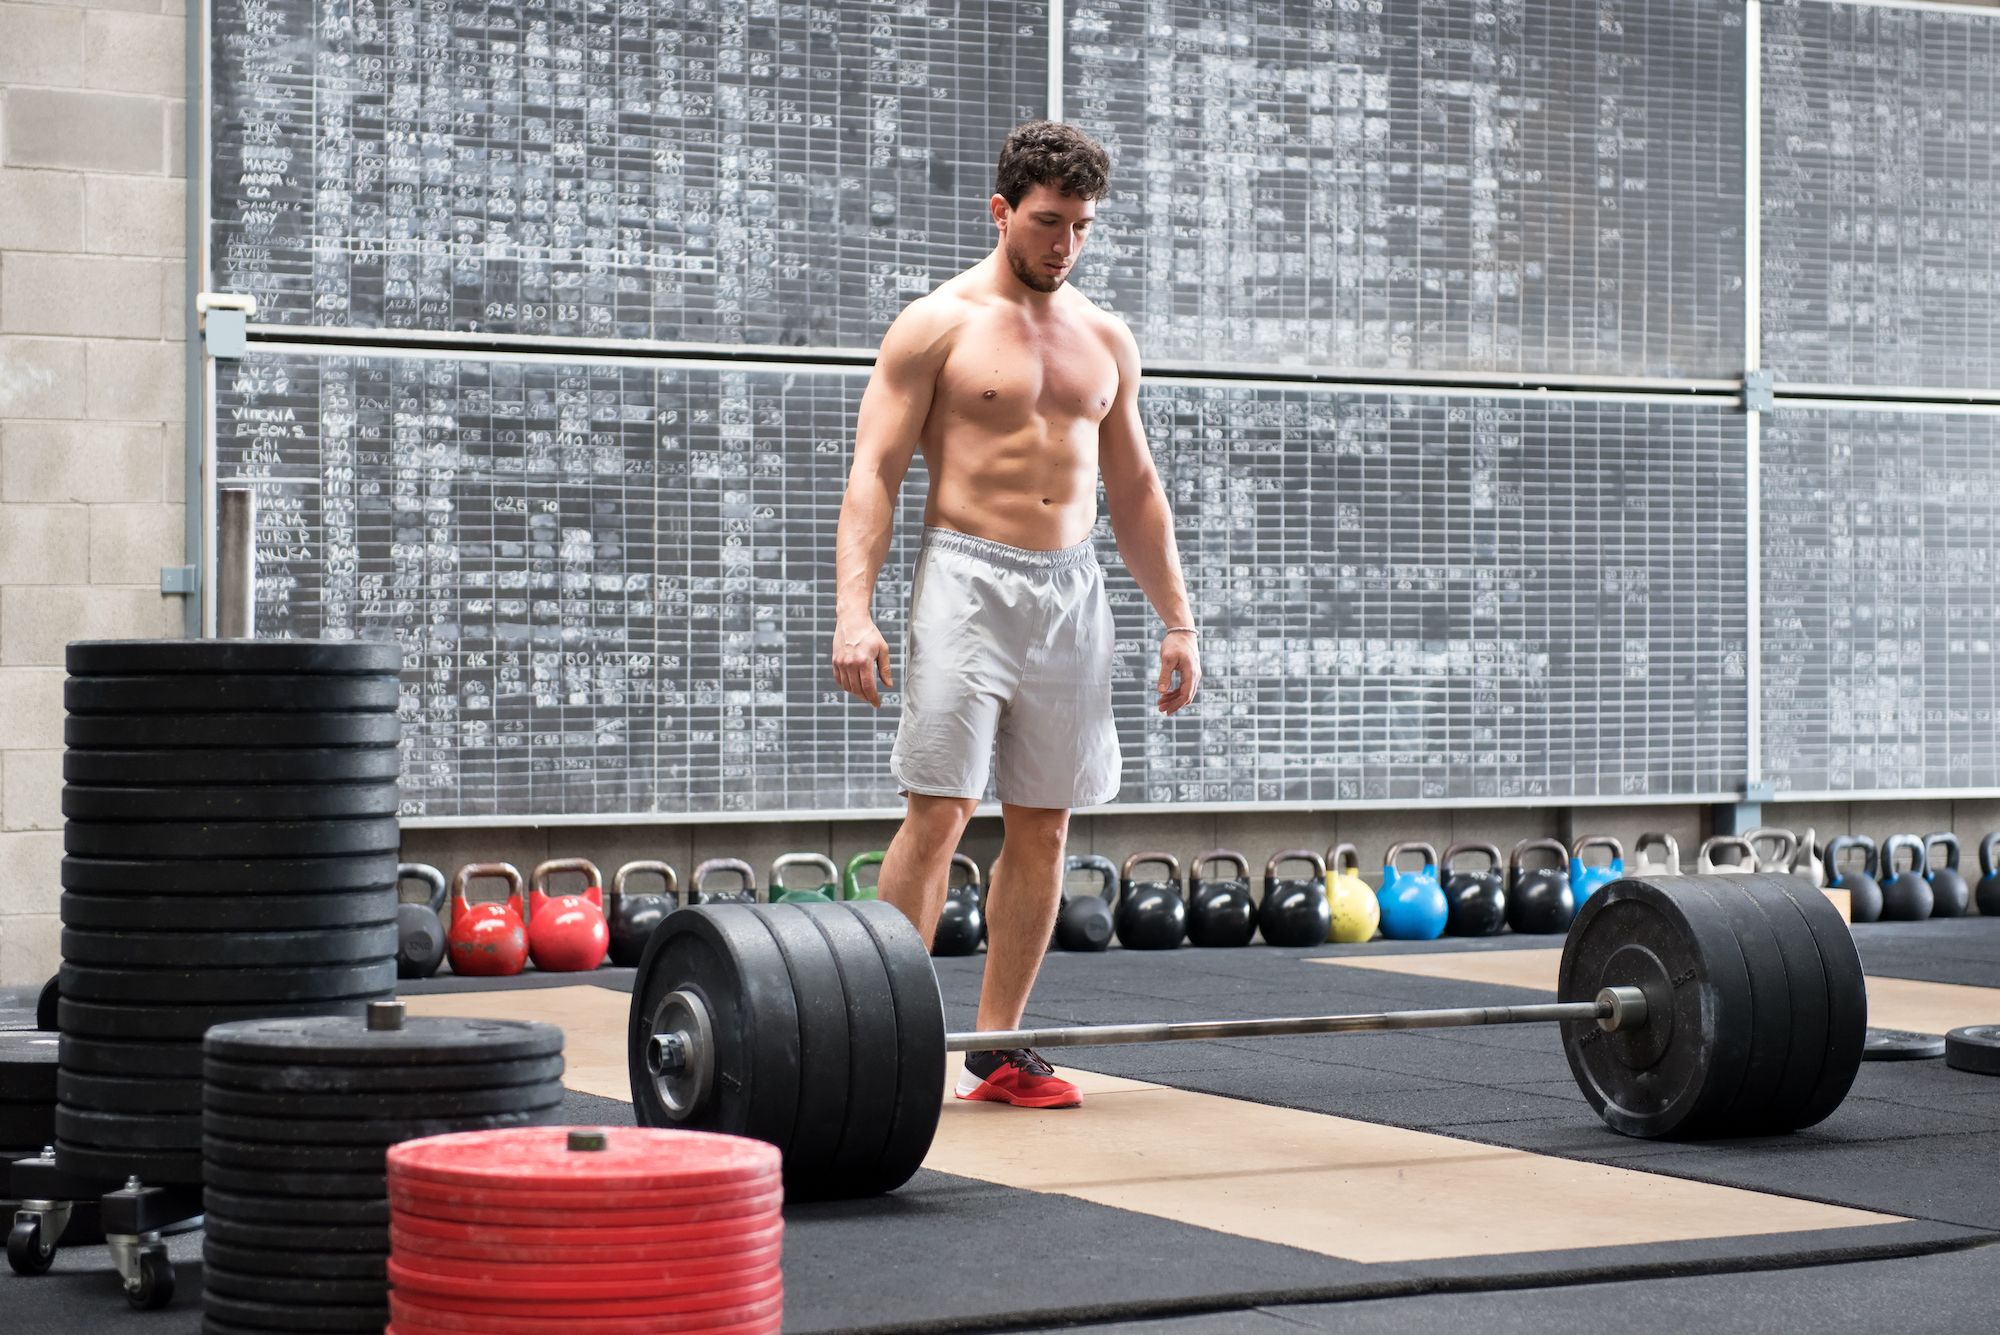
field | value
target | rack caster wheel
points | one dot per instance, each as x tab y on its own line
151	1285
28	1251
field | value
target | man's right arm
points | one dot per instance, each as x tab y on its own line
886	430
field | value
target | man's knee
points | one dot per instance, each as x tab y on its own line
1039	833
937	821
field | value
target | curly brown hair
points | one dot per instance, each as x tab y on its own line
1051	153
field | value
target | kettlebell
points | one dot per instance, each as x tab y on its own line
567	933
1584	878
1784	847
747	893
1949	892
1906	895
1746	859
633	917
420	927
850	880
1806	862
1084	921
1538	898
1413	903
962	924
488	940
1668	865
1987	893
1151	915
1351	903
1864	892
1220	911
1295	912
823	893
1475	901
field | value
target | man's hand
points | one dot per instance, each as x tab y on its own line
1180	672
861	659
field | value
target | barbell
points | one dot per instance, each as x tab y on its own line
1689	1006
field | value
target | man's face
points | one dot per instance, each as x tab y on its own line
1042	238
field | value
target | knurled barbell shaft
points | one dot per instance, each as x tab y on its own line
1621	1007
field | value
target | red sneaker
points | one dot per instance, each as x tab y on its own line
1018	1076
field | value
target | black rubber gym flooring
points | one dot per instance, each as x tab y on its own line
1914	1139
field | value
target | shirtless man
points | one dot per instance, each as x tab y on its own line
1020	392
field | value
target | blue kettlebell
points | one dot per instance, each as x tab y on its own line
1584	878
1413	902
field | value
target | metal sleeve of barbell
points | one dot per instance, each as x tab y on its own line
1099	1035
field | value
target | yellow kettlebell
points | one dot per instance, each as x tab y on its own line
1356	912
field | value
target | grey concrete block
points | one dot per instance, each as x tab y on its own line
131	381
31	710
134	53
129	543
43	209
41	45
79	461
40	377
84	295
38	622
31	790
135	215
44	544
88	131
30	883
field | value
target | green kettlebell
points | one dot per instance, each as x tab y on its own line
850	880
823	893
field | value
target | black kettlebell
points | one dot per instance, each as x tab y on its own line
420	927
1475	901
1151	914
1864	893
1906	895
1084	921
632	918
1986	894
747	893
962	922
1949	892
1220	911
1295	912
47	1004
1539	901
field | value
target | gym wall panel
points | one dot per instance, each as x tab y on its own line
610	578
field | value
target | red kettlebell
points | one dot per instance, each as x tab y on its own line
488	940
567	933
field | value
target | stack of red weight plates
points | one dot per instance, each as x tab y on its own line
585	1231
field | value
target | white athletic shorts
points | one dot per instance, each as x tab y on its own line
1008	655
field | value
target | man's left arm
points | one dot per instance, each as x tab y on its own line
1143	525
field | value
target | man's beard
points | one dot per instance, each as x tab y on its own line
1031	276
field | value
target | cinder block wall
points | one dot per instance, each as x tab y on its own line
92	405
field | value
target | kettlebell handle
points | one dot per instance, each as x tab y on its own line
1233	858
1747	860
1343	858
850	880
1644	866
1950	842
1294	855
1451	855
1167	860
1786	840
1550	846
516	899
1105	868
715	866
539	882
1399	849
1599	841
654	867
787	860
1839	844
1920	860
1986	847
973	876
430	876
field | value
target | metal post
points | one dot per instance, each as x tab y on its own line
236	563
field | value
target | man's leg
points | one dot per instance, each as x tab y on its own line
1023	893
917	866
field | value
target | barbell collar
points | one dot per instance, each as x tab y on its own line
1615	1008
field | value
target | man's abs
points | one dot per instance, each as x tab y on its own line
1011	441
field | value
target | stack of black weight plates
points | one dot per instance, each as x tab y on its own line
297	1123
232	844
